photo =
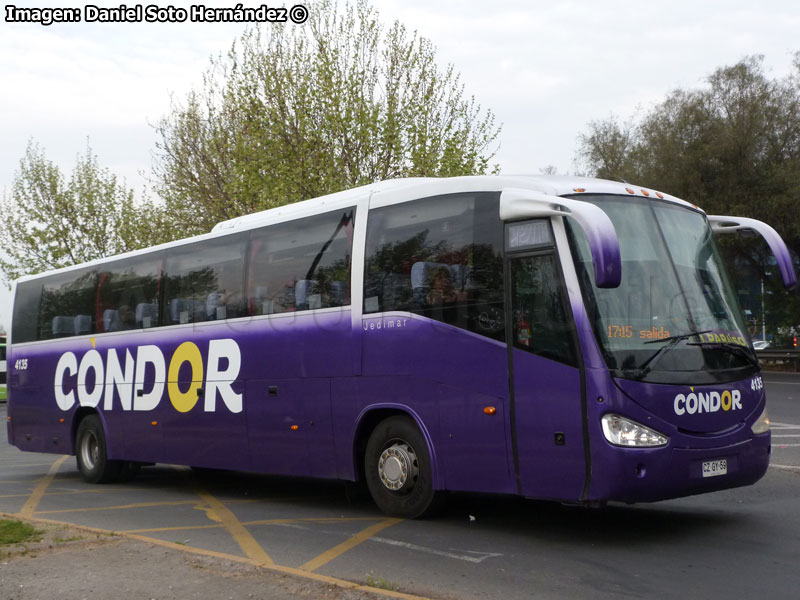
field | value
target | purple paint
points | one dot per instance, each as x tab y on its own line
291	393
779	249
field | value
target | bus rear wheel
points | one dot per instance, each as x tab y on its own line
398	470
92	455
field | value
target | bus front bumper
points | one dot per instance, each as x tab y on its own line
649	475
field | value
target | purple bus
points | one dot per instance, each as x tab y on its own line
553	337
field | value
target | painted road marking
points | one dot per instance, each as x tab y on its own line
32	503
20	466
67	492
479	556
118	507
355	540
783	426
785	467
473	559
259	522
334	581
217	511
789	435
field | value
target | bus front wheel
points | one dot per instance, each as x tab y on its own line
91	453
398	470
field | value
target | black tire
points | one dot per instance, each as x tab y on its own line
91	453
398	470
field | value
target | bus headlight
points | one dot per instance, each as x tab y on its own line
624	432
762	424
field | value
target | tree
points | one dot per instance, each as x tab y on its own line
731	147
293	112
47	222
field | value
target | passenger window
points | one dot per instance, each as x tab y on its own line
301	265
127	295
439	257
204	281
68	305
27	320
539	321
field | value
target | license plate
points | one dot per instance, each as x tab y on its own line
712	468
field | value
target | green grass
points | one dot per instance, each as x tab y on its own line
380	583
60	540
15	532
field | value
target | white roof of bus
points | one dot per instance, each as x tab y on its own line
401	190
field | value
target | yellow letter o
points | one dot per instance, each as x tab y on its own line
185	401
726	400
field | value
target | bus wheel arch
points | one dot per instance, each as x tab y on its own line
398	467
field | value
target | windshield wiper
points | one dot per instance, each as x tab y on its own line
733	349
647	366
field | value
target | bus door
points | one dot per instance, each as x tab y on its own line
545	378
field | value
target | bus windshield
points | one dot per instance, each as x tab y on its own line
675	317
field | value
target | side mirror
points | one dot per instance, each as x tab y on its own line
779	249
518	204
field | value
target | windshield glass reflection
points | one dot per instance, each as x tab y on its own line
675	302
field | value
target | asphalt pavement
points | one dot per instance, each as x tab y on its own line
741	543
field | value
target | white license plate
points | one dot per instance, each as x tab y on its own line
712	468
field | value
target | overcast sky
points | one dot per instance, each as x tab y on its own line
546	69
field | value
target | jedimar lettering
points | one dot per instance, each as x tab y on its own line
708	402
120	376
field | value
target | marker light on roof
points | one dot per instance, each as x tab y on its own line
646	193
660	195
579	190
629	190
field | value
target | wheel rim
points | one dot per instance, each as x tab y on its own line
398	466
90	450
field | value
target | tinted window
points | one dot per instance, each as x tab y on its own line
440	257
539	321
204	281
127	294
301	265
68	305
25	322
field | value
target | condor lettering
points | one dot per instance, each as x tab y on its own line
123	376
710	402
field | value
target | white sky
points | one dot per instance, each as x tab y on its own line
546	69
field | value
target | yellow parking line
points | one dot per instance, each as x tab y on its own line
244	538
358	538
179	528
334	581
24	466
67	493
310	520
32	503
14	496
118	507
249	523
341	583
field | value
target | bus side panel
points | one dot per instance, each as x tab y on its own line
39	424
454	374
214	412
289	363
